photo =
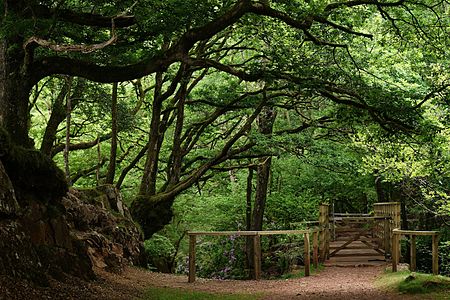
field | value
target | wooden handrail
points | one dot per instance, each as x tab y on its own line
251	233
257	247
413	233
385	203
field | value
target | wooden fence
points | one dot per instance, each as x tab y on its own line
257	247
391	212
396	250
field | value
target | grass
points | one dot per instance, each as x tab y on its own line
435	287
180	294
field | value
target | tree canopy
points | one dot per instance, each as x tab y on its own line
353	94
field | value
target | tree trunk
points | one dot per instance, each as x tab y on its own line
265	124
379	189
68	123
14	94
148	183
59	113
248	206
248	219
113	153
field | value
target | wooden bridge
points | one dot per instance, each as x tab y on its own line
358	239
340	239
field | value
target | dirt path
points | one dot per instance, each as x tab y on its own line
331	283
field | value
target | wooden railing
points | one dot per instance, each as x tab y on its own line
396	250
257	247
390	211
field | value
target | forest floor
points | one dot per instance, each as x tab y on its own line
331	283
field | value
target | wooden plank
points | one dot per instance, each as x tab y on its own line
374	247
386	203
222	233
257	256
412	265
249	233
273	232
414	232
341	247
350	229
367	239
434	251
192	241
357	218
352	247
358	254
307	257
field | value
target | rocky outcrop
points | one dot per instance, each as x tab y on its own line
44	235
99	219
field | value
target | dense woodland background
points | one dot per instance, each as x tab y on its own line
235	115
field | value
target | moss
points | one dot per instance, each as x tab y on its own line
32	172
151	215
434	287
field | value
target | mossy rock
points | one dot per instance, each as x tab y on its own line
31	172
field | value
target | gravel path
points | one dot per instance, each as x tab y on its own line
331	283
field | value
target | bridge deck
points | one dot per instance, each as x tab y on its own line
355	254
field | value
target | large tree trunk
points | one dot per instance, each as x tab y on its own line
14	93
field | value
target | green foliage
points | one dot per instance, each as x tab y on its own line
222	258
159	252
344	102
159	246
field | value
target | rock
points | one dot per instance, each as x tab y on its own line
18	255
111	238
106	196
43	234
411	277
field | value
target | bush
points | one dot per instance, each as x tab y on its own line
222	258
160	253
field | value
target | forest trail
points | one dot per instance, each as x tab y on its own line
331	283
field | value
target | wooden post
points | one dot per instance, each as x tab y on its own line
387	236
257	256
395	248
192	241
323	227
316	249
412	264
307	257
434	250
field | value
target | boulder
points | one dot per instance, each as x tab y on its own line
103	224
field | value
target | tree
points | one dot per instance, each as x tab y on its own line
42	38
